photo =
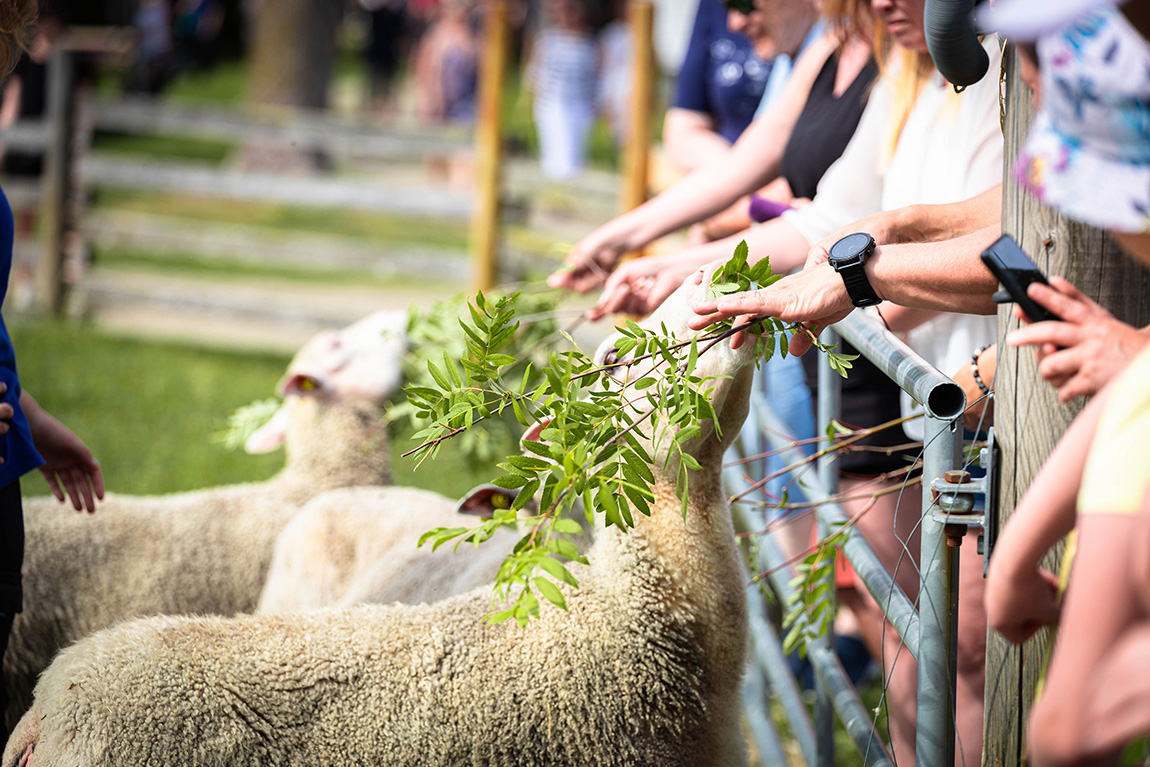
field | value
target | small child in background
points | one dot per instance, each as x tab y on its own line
563	76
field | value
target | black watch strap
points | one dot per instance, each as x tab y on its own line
848	256
858	286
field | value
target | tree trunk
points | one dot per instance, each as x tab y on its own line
293	51
1028	418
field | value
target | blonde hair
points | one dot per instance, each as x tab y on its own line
16	17
848	17
908	71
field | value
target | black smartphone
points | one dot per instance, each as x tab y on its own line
1014	269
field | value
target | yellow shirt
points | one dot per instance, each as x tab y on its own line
1117	472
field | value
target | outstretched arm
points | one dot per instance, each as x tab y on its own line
945	276
640	285
1097	694
925	223
1021	597
690	140
67	460
753	161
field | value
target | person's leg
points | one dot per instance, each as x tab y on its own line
11	591
1097	692
784	382
889	523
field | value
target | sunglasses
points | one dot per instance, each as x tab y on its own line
740	6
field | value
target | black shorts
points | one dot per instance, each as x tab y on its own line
11	549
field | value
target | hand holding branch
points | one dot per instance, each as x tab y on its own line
815	297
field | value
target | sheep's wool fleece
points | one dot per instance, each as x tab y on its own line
635	673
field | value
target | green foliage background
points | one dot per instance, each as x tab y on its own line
148	411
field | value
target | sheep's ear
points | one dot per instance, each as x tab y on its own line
300	385
485	500
271	435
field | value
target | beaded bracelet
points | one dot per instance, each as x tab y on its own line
974	368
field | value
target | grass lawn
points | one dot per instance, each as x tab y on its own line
148	410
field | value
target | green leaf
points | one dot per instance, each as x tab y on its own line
528	463
510	481
438	376
566	525
557	571
551	592
525	495
452	369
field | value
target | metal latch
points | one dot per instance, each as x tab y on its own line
954	497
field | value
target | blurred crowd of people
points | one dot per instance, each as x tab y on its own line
870	182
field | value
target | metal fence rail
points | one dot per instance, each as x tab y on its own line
928	632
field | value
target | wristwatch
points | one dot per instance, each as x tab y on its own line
848	256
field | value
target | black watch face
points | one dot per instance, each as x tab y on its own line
850	246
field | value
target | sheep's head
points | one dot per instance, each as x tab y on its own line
729	371
358	364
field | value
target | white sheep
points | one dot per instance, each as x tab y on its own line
360	545
643	668
207	551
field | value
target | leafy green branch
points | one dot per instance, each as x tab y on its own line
810	608
738	276
597	418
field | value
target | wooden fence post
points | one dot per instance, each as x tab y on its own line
56	182
1028	418
489	146
640	18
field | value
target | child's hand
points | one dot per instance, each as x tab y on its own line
69	467
1020	601
6	413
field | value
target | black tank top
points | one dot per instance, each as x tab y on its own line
825	126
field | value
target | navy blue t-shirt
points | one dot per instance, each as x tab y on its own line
16	446
721	75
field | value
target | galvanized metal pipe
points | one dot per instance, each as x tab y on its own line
938	608
855	717
939	395
756	709
767	649
829	409
769	653
900	611
832	678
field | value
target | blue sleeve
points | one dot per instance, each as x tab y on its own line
691	87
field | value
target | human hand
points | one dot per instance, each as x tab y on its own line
591	260
6	413
67	460
814	297
1084	350
641	284
1020	600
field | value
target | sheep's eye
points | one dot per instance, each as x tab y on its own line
611	357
